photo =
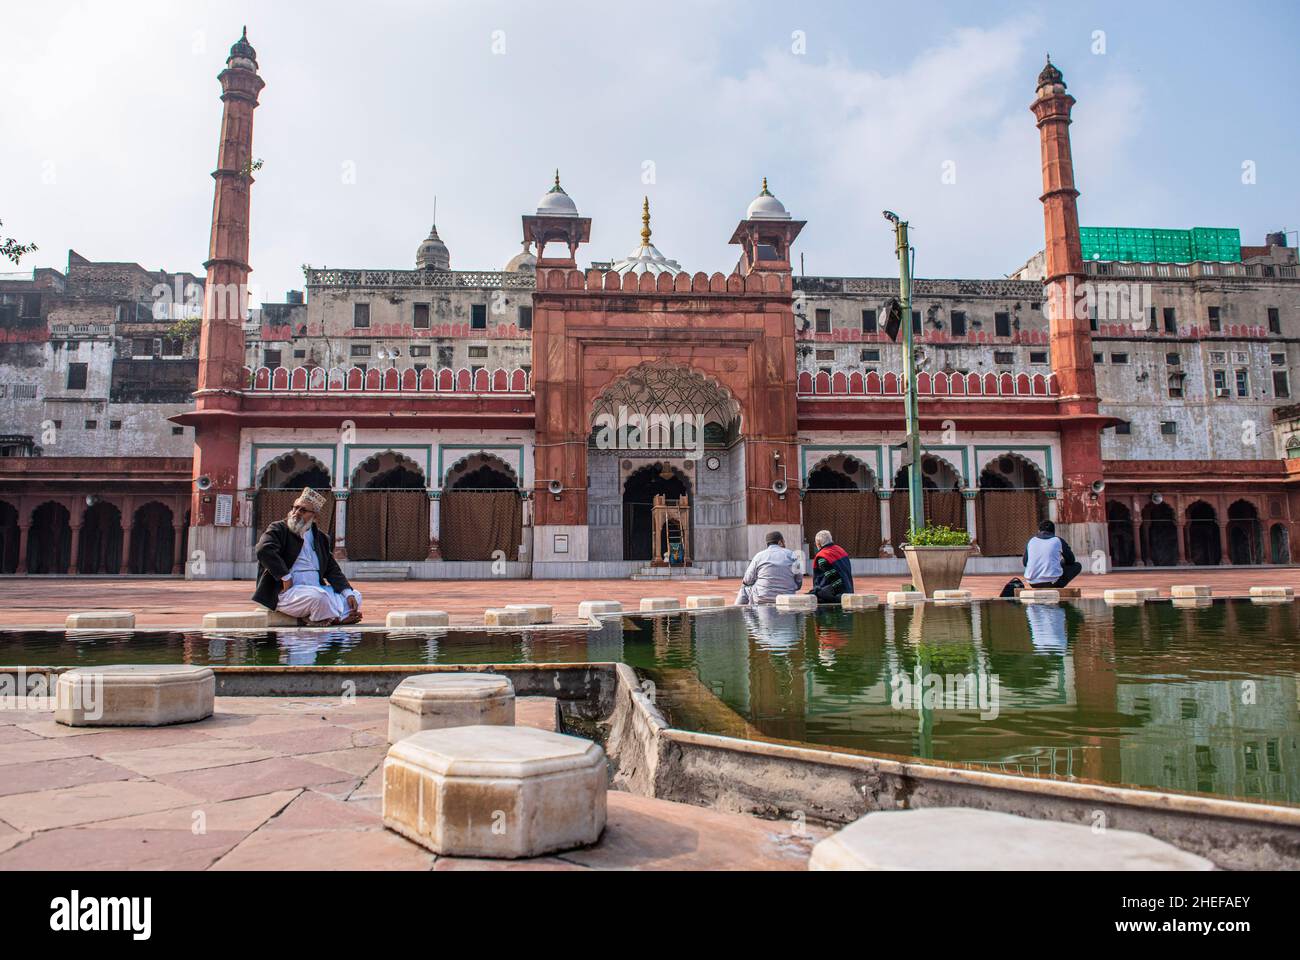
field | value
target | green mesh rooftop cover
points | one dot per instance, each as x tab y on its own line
1160	246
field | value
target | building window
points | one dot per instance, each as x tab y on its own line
24	391
31	305
959	323
361	315
916	323
360	349
478	353
1281	385
1175	386
77	376
1243	382
421	350
271	358
1173	359
142	348
92	424
420	316
478	316
1038	357
1002	324
1119	358
1218	356
1168	428
1274	320
1215	323
1003	356
1092	317
825	356
870	356
1171	320
115	424
300	354
1123	428
823	321
868	321
1277	359
178	431
1098	358
525	318
1220	383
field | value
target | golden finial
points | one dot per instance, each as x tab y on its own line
766	192
645	222
557	179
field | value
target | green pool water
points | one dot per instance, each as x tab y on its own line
1201	699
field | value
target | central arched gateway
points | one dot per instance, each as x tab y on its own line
665	430
481	510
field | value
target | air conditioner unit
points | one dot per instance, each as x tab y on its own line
1222	392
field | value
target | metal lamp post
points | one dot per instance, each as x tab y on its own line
912	456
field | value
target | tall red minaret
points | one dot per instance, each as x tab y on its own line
221	343
1079	508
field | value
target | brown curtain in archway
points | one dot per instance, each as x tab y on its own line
153	540
388	525
1007	519
852	517
475	524
943	508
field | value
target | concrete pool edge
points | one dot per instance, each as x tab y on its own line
783	781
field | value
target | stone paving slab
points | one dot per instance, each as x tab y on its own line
181	604
54	774
318	810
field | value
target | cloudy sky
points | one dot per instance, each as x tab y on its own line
371	110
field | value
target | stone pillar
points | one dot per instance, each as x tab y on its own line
1136	526
128	534
75	555
178	561
435	525
341	525
1225	557
1180	526
23	529
886	521
969	496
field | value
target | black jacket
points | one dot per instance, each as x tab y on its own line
277	550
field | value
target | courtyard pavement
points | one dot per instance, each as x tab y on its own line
46	601
296	784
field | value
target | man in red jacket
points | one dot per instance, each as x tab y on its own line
832	570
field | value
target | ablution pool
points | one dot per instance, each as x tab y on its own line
1201	698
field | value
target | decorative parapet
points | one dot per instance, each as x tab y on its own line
354	380
697	284
434	279
956	385
888	287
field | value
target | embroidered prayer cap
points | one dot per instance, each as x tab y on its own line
311	499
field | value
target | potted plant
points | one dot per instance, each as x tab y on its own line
936	556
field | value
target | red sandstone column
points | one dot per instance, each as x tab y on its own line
75	530
221	342
1071	337
23	529
177	559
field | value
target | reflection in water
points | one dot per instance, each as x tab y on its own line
1199	698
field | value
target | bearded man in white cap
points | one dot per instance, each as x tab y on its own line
297	573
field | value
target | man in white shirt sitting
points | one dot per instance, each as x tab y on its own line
297	572
773	572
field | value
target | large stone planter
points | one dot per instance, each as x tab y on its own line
936	568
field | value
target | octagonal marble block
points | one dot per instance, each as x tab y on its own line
503	792
433	701
135	695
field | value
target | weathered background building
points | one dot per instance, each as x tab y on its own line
454	417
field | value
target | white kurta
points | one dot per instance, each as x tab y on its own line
307	599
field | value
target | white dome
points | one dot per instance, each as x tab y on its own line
766	207
646	258
522	262
556	203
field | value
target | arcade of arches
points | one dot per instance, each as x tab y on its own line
113	535
1155	531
